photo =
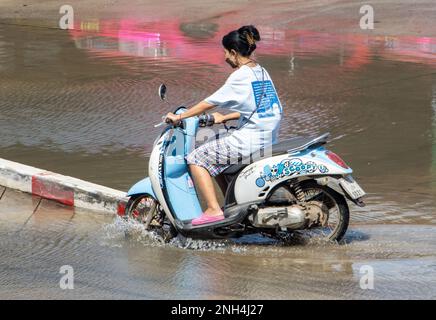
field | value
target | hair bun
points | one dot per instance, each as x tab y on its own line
250	33
243	40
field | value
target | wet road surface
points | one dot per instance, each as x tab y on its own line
112	258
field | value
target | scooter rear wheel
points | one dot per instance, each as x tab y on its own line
334	207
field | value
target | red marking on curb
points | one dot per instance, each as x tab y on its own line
52	191
121	210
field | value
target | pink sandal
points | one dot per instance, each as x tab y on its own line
205	218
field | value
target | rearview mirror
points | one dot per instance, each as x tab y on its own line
162	91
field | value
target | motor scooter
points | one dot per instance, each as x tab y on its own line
300	186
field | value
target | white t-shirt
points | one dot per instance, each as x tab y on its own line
242	92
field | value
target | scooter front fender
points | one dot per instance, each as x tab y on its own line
141	187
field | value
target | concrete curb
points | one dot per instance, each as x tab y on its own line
67	190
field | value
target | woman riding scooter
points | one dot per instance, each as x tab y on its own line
251	96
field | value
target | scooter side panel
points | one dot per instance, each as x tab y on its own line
182	196
180	189
254	182
141	187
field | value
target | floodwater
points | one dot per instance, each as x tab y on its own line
83	102
120	260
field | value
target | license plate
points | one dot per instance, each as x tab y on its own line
352	187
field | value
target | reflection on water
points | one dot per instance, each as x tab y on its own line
83	102
202	42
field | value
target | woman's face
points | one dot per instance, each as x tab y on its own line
231	58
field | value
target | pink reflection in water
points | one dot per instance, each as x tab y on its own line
166	40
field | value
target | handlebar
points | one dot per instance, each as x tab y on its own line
204	120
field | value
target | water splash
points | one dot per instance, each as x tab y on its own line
202	245
122	231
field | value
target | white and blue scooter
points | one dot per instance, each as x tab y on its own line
301	187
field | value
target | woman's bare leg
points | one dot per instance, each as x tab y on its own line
204	184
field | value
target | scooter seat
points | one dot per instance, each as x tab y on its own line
298	144
285	146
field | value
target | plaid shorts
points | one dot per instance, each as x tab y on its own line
215	156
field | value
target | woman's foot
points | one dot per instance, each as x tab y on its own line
214	212
209	216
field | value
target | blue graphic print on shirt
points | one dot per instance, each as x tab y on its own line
269	101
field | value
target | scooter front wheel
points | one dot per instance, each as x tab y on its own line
142	208
146	210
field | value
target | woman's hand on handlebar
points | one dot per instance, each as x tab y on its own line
172	118
219	118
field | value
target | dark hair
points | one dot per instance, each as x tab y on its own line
243	40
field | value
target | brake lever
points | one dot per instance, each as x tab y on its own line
162	123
